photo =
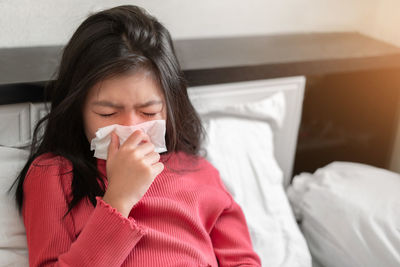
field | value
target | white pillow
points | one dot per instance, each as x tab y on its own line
240	145
13	246
350	214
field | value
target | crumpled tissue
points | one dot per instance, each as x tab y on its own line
155	129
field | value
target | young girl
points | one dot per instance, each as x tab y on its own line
137	208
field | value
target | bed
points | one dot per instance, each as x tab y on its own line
251	138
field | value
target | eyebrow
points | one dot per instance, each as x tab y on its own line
118	106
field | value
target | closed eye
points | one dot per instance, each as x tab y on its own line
149	114
106	115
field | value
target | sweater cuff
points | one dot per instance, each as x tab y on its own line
107	238
129	221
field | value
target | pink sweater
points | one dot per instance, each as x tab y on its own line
184	219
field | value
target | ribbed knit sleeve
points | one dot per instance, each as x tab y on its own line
106	240
231	239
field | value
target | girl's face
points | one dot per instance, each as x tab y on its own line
126	100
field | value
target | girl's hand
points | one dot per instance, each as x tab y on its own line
131	169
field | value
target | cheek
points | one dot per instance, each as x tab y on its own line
91	125
164	113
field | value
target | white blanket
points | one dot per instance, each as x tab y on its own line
350	214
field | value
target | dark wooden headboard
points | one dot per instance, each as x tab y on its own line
24	70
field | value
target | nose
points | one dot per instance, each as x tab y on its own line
129	119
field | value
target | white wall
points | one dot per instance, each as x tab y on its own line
385	25
52	22
385	22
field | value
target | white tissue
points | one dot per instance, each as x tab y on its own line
155	129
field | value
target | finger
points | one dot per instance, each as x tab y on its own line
151	158
146	139
145	148
135	139
157	168
114	145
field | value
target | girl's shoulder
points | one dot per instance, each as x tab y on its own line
195	167
49	175
206	174
51	160
207	165
49	165
185	161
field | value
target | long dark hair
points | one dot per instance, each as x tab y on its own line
110	42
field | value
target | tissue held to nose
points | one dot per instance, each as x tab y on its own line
155	129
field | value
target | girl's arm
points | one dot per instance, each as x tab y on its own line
231	239
106	240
